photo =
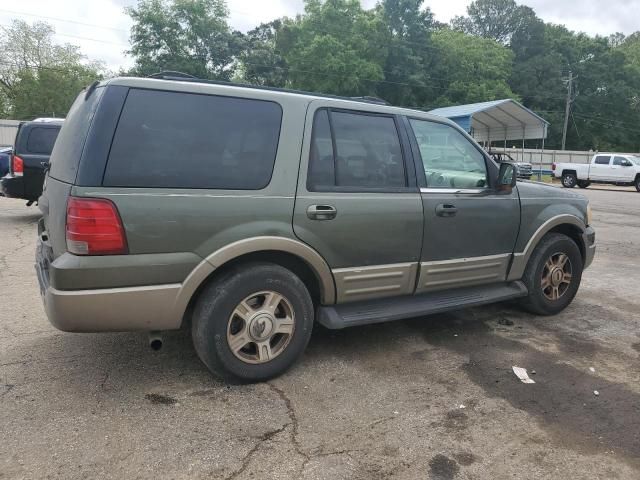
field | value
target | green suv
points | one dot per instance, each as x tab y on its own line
251	213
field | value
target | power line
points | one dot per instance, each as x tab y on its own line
41	67
310	72
13	12
607	122
80	37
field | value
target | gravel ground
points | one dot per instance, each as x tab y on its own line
432	397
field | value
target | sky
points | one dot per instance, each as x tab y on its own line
101	27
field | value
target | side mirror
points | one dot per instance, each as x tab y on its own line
626	163
506	177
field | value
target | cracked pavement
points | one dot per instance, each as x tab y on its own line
431	397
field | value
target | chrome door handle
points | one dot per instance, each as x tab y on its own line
321	212
446	210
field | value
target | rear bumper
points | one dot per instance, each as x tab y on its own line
113	309
147	307
12	186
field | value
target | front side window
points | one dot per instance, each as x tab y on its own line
449	159
602	160
620	161
355	151
186	140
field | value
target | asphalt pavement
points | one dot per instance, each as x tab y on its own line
432	397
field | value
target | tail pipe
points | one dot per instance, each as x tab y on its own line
155	341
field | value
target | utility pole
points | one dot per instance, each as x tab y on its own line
567	109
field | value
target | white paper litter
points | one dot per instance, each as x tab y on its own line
462	406
521	373
592	370
596	393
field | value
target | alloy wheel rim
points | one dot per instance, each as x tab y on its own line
556	276
260	327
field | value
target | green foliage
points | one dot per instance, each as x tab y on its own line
499	20
395	50
261	62
38	77
190	36
407	33
336	47
471	69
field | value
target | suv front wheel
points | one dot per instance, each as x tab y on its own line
553	275
253	322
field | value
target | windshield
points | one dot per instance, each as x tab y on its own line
635	160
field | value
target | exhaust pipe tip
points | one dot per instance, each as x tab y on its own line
155	341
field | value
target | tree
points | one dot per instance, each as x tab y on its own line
262	63
408	30
37	76
470	69
496	19
190	36
335	47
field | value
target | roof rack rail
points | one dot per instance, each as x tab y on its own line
185	77
370	99
172	75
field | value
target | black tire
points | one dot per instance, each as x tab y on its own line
218	301
583	183
637	183
569	180
551	244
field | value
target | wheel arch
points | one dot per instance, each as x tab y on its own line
567	224
289	253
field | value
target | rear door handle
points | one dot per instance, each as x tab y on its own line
446	210
321	212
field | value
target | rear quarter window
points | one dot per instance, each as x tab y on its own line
67	150
186	140
40	140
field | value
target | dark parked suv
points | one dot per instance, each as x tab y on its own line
30	159
248	214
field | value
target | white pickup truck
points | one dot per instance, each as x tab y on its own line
604	168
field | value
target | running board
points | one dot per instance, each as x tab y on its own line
398	308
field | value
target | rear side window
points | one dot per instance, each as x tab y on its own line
354	150
321	161
602	160
185	140
41	140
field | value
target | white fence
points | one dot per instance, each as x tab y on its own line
8	129
543	159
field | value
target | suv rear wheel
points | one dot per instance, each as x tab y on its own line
569	180
253	322
552	275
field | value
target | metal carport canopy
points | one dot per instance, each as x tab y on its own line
497	120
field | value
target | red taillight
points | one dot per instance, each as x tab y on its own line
17	165
94	227
553	166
